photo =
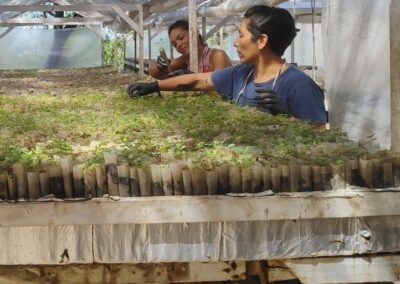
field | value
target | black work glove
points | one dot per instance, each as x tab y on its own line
269	99
142	89
162	63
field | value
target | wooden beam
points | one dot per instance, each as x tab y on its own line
362	269
52	21
129	21
204	28
218	26
394	47
193	35
79	7
6	32
125	273
181	209
153	36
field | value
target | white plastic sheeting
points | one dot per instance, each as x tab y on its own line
203	241
42	48
357	60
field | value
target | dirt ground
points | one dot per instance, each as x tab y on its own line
61	81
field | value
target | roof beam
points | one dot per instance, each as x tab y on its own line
219	25
6	32
79	7
129	21
52	21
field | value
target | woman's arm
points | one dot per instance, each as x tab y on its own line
189	82
174	64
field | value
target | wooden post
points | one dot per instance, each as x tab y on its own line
204	28
394	15
115	47
102	44
149	39
193	35
141	47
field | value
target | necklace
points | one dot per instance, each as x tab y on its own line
248	79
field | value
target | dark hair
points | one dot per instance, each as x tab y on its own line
182	24
276	23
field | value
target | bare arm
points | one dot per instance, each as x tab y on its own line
189	82
175	64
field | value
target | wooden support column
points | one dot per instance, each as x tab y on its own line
102	44
137	28
115	47
204	28
149	39
395	73
193	35
141	46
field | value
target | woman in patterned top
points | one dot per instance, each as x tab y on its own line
210	59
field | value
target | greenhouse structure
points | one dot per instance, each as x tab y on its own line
183	186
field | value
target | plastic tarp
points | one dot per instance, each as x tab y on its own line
44	48
197	242
357	63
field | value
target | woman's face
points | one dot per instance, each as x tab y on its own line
246	48
180	40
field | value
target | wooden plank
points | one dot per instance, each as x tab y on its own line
346	269
193	35
219	25
141	42
128	20
180	209
124	273
6	32
395	73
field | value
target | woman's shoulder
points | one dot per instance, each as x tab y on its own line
219	59
217	52
294	73
238	69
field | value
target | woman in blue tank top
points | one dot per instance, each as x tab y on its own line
263	79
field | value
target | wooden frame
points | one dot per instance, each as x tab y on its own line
190	209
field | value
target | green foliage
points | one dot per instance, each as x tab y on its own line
39	129
108	55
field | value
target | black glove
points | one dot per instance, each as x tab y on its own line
142	89
268	99
162	63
